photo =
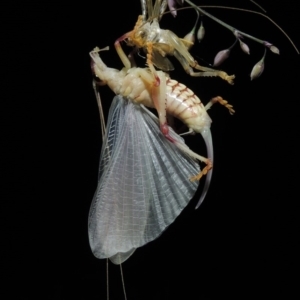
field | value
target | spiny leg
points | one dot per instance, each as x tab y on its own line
212	72
183	147
150	64
189	64
126	62
131	57
203	172
222	102
158	95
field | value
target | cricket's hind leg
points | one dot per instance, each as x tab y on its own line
188	66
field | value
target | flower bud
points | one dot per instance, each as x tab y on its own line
172	7
221	56
257	69
200	33
244	47
272	47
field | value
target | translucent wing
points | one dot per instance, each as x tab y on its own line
160	61
143	183
148	9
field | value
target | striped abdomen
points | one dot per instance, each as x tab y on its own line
183	104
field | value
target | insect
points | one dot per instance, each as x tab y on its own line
135	200
123	114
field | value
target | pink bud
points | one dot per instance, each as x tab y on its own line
220	57
244	47
257	69
172	7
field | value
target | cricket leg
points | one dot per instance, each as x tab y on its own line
222	102
126	62
189	64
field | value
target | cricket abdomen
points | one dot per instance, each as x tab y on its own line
183	104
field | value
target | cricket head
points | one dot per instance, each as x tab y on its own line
110	76
138	36
97	65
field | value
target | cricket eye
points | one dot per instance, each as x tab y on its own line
141	34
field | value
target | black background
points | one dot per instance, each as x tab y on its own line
240	244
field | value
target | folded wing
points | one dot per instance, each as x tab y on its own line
143	183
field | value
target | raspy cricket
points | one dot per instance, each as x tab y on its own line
155	89
147	173
134	84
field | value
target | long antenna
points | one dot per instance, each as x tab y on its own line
99	102
107	280
122	276
258	6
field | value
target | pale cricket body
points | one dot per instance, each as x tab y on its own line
128	209
178	100
135	84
